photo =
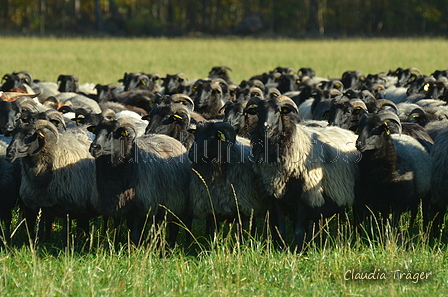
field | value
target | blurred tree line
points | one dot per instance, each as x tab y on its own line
293	18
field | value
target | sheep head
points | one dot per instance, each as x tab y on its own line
30	138
346	113
375	128
213	141
275	123
67	83
113	138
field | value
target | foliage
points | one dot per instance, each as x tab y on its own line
222	17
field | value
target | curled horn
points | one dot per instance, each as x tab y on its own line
181	108
109	115
253	101
357	103
226	68
12	96
380	103
257	90
181	98
421	113
56	115
286	101
26	77
390	116
182	75
414	69
27	103
227	127
41	124
125	122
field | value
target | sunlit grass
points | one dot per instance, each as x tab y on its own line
105	60
226	265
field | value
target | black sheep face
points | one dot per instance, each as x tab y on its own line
212	144
27	141
374	132
270	132
10	113
68	83
165	120
234	115
10	81
112	140
172	84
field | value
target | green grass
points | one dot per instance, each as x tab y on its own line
105	60
225	266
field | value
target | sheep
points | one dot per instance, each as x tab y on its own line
68	83
223	185
9	189
57	173
136	177
309	171
174	84
141	80
346	113
394	171
220	72
207	97
439	190
172	120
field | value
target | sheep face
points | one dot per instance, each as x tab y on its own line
172	120
220	72
30	139
212	143
112	139
173	84
10	81
273	129
67	83
10	113
374	131
234	115
346	115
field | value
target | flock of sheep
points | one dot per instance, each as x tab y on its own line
285	143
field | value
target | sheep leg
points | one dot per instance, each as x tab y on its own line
278	222
173	230
211	226
136	230
300	228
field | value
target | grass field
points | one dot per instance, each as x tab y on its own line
412	266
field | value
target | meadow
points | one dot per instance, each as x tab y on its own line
389	263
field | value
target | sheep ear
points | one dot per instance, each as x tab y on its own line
91	129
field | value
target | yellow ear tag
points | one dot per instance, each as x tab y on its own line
177	116
337	86
285	110
56	123
143	82
221	136
386	128
41	135
124	133
426	88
